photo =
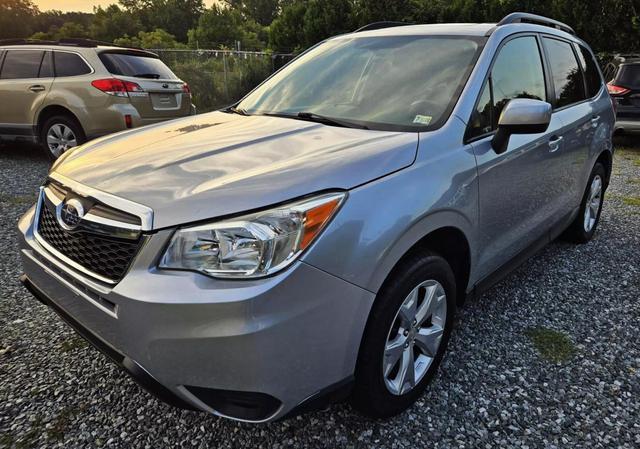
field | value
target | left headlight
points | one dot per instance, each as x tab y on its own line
254	245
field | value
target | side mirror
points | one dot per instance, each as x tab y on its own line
521	116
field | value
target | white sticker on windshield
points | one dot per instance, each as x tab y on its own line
422	119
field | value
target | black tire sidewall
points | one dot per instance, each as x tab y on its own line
371	396
62	120
576	232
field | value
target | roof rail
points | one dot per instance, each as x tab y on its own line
523	17
381	25
71	42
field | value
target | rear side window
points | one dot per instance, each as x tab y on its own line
591	73
516	73
125	64
629	76
46	68
21	64
566	74
70	64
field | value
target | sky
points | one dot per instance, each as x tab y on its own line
79	5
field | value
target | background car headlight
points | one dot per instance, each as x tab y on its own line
251	246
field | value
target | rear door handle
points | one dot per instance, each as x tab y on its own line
594	121
36	88
554	143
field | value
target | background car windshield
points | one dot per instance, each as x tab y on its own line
407	81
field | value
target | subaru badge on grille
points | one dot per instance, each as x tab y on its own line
70	214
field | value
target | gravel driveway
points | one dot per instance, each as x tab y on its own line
548	358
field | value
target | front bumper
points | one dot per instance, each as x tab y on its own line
248	350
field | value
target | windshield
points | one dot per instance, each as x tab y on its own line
391	83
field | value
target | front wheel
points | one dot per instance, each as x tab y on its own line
59	134
584	226
406	336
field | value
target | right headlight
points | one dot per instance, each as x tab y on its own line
254	245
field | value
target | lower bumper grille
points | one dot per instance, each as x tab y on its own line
106	257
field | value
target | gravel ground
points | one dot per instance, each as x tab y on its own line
494	389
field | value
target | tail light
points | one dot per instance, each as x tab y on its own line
186	89
617	90
116	87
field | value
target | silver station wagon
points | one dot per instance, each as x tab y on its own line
312	242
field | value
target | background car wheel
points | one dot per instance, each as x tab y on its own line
59	134
584	226
406	336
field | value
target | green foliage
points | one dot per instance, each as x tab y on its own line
113	22
16	18
262	12
216	80
223	27
158	38
552	345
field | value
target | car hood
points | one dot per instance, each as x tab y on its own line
218	164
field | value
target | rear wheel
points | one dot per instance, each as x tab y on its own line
584	226
406	336
59	134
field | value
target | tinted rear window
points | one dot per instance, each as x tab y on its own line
136	66
629	76
591	73
567	76
21	64
70	64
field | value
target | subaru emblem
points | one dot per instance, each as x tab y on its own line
70	214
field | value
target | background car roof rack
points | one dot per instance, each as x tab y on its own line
71	42
381	25
523	17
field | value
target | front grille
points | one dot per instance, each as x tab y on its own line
106	257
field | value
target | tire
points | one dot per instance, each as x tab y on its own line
581	230
67	129
372	395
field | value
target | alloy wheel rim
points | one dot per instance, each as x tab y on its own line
60	138
592	206
415	337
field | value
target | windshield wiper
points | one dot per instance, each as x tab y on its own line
313	117
234	110
153	76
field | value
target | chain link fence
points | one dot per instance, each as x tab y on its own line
218	78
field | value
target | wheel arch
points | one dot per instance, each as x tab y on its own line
50	111
452	244
606	159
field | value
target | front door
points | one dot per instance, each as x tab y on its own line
25	79
516	188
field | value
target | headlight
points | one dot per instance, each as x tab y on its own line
254	245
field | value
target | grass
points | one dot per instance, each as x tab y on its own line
72	343
552	345
17	199
631	201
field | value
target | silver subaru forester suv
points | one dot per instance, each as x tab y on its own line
312	242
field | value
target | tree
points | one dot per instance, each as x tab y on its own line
158	38
286	33
16	18
111	23
262	12
223	26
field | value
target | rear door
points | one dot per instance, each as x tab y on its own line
161	95
517	187
25	80
580	120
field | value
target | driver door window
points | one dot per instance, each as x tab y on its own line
516	73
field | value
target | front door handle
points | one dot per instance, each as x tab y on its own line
36	88
554	143
594	121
